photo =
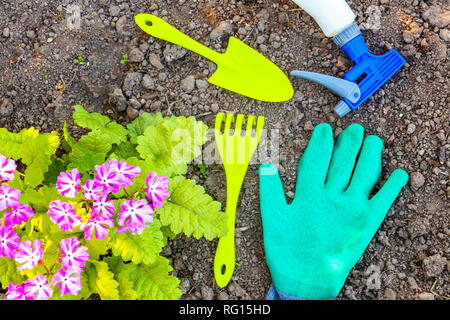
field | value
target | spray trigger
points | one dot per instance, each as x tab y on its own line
343	88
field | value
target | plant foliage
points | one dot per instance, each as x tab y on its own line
122	265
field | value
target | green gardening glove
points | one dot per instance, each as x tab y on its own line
312	244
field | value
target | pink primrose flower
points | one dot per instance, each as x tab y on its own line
29	255
98	225
7	168
108	177
9	242
15	292
92	190
134	215
68	183
125	171
73	256
38	288
20	213
64	215
157	189
68	281
103	207
9	197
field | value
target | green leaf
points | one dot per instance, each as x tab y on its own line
153	282
37	157
94	141
171	143
80	60
56	167
68	141
32	149
168	233
111	131
89	151
18	183
40	198
96	247
101	280
143	248
202	169
125	59
121	275
141	123
41	227
124	151
89	120
149	282
9	272
51	248
115	132
192	211
157	151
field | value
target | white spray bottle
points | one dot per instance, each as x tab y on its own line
370	72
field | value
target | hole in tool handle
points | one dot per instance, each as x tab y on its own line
223	269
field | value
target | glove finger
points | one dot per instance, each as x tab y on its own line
345	152
271	193
368	168
313	165
385	197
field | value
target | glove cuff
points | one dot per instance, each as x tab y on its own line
307	288
275	294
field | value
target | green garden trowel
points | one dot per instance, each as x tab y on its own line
240	69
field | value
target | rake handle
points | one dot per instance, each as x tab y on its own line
159	28
224	261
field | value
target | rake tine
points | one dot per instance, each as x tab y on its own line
250	123
240	120
228	122
219	119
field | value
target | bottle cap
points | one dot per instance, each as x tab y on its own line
348	34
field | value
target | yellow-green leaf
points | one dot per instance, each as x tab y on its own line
101	280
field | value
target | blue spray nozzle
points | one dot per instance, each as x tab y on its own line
369	73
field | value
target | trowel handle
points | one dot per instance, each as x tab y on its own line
333	16
159	28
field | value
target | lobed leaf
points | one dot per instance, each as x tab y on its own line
101	280
121	275
9	272
142	248
149	282
192	211
112	132
32	149
168	145
141	123
96	247
153	282
89	151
